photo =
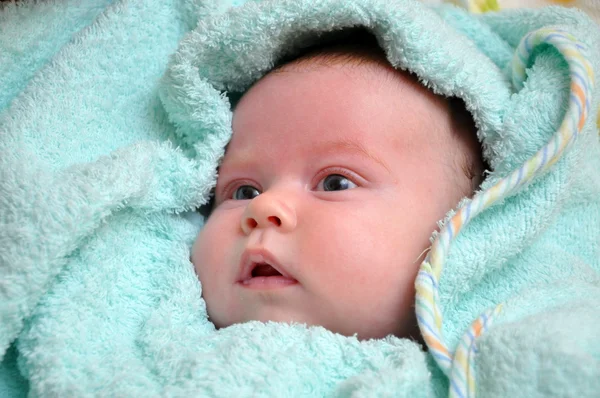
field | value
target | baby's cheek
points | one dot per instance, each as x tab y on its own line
199	250
214	259
204	252
204	262
346	243
211	240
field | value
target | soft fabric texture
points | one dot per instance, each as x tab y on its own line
113	120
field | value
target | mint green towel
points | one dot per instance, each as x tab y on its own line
113	121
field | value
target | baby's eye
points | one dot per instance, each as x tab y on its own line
335	182
245	192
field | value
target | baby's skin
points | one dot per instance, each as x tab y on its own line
326	198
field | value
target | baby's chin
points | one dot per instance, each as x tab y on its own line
279	315
348	330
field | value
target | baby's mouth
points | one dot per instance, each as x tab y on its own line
260	269
264	269
264	276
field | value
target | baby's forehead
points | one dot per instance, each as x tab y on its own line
367	89
367	99
366	63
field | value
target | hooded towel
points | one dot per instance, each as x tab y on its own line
114	116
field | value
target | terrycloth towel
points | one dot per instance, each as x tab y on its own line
109	139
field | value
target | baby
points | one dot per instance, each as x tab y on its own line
338	170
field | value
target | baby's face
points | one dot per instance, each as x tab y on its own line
335	176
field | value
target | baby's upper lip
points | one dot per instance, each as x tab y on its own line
254	256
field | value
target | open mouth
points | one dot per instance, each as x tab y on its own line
265	276
264	269
260	269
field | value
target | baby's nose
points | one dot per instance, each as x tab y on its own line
267	210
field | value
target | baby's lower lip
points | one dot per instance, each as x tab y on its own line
268	282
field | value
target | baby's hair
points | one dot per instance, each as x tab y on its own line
356	47
349	47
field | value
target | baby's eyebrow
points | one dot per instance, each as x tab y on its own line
351	145
245	160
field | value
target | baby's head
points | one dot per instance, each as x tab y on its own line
336	175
